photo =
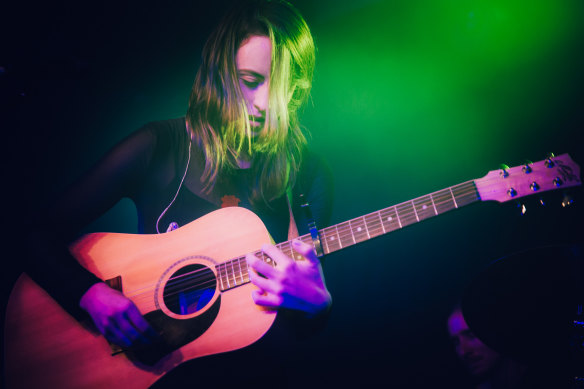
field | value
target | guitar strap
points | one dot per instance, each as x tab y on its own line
293	230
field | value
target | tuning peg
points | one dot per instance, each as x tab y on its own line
522	207
549	162
504	170
526	167
567	201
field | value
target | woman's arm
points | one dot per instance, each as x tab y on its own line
51	265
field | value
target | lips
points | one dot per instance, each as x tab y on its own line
256	121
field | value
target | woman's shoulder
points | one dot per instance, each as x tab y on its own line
172	129
313	165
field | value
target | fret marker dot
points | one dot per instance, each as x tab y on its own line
332	238
359	229
424	206
389	219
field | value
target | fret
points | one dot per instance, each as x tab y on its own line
380	221
233	272
244	270
359	230
444	201
285	248
223	277
221	287
289	251
324	241
406	214
465	193
345	234
453	198
373	225
237	267
331	237
415	212
433	205
230	274
390	219
424	207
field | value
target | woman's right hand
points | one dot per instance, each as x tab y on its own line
116	316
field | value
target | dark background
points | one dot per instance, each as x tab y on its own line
76	78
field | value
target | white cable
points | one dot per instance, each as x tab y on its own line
178	190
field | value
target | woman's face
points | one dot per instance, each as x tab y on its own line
253	62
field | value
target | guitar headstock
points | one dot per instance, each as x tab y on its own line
555	172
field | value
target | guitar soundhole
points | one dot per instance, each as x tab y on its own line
189	289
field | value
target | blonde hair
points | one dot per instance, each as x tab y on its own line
217	115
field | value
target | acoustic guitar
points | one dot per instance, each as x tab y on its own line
192	285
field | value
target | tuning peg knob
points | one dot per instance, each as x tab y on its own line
558	182
527	168
504	171
549	162
512	192
534	186
522	208
567	201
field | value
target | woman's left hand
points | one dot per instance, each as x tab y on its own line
290	284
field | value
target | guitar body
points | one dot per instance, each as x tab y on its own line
47	348
195	294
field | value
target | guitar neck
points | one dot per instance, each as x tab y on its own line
498	185
234	273
393	218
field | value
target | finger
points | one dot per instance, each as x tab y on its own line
147	334
267	299
278	256
127	329
114	335
265	284
306	250
260	266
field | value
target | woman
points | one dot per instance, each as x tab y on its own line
240	144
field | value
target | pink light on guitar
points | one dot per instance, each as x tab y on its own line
549	174
192	284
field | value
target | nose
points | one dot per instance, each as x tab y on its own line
260	98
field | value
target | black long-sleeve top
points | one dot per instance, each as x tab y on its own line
147	167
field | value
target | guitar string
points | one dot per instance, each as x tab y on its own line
177	287
178	279
464	190
468	189
342	234
235	282
181	279
345	232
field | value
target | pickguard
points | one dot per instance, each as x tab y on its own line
174	333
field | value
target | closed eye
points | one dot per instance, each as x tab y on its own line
250	78
250	84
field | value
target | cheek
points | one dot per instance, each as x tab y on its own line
247	96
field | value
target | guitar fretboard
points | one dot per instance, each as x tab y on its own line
234	272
